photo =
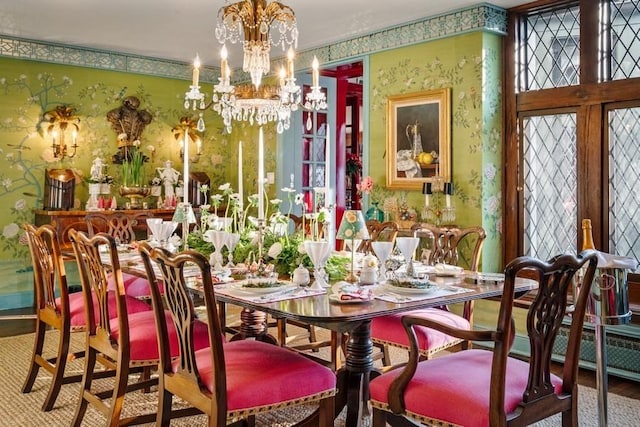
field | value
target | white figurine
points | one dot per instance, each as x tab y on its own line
169	177
96	169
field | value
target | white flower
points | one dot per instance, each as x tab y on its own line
288	190
10	230
224	187
275	202
20	205
302	248
275	250
490	172
299	199
6	183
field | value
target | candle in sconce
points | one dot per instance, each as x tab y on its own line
427	191
448	190
240	176
261	175
315	72
196	71
282	75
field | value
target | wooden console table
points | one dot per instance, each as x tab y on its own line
63	221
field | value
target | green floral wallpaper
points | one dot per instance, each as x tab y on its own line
470	65
30	88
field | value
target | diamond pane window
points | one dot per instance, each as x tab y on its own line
551	50
624	182
625	39
550	182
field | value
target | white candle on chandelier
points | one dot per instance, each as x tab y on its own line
282	75
196	71
224	68
290	67
315	73
261	176
327	168
240	189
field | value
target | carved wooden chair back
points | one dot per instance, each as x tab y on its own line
379	231
451	245
124	227
529	387
52	302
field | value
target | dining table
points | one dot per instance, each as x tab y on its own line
322	308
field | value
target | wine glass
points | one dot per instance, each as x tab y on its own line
154	225
218	239
232	242
382	251
407	246
318	252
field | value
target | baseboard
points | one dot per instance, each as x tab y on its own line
623	349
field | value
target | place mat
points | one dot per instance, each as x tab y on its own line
289	293
384	294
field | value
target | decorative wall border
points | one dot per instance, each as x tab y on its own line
482	17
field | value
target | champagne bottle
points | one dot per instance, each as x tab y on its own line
587	235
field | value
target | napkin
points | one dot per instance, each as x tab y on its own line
447	269
346	291
606	260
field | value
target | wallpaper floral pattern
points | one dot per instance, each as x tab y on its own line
469	65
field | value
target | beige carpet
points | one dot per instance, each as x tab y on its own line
23	410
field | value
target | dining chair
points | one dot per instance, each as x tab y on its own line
446	246
386	231
122	341
487	387
56	308
124	227
227	381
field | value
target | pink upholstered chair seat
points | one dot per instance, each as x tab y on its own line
261	375
389	329
143	338
440	383
76	307
134	286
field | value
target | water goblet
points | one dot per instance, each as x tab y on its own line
218	239
382	251
318	252
155	226
407	246
232	242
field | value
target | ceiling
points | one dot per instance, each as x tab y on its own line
177	30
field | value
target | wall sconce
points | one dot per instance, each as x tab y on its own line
60	124
187	131
433	210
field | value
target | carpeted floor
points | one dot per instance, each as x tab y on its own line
23	410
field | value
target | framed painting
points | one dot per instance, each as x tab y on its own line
418	138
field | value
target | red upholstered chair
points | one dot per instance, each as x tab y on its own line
118	339
446	245
124	227
228	381
64	312
480	388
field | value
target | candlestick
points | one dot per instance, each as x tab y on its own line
196	71
314	66
327	159
261	176
240	176
426	200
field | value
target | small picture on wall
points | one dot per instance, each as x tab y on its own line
418	138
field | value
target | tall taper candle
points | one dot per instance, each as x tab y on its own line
261	175
327	168
196	71
185	177
240	176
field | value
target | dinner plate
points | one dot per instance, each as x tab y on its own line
406	290
280	286
335	298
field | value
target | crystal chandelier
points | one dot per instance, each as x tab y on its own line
259	25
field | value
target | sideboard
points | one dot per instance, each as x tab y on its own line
63	221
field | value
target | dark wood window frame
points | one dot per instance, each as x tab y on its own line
590	100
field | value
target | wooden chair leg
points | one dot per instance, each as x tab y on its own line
87	377
58	374
34	366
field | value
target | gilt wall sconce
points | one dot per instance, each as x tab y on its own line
61	125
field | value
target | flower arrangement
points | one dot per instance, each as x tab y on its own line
353	165
365	186
133	174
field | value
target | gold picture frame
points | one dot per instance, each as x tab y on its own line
418	123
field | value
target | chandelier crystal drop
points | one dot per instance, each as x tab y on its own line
259	25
